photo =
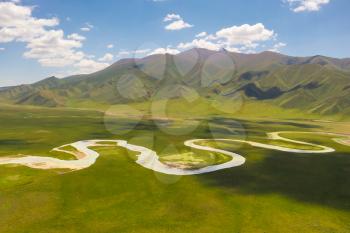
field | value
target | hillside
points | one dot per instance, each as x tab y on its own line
315	84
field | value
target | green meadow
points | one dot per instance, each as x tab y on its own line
273	190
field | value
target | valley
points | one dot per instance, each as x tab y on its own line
300	187
170	116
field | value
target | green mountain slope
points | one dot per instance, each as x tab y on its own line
315	84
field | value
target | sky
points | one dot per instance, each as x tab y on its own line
41	38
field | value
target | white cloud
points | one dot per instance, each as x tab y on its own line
200	43
50	47
76	36
245	34
87	66
171	17
178	25
2	49
202	34
306	5
53	50
142	51
164	51
87	27
276	47
176	22
245	38
125	53
110	46
107	57
16	23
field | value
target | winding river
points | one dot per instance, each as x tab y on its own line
85	156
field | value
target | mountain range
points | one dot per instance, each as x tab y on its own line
315	84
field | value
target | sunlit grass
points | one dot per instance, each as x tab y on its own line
273	190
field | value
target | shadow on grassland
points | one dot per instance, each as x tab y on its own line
318	179
229	121
12	142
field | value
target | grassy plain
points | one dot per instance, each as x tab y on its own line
272	192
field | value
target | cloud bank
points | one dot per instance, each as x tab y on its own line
44	41
244	38
176	22
306	5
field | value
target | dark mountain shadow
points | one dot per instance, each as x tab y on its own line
250	75
316	179
248	124
253	91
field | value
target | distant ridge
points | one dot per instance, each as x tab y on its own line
316	84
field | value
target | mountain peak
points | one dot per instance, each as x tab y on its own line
283	80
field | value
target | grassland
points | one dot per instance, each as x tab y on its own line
272	192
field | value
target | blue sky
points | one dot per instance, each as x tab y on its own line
40	38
